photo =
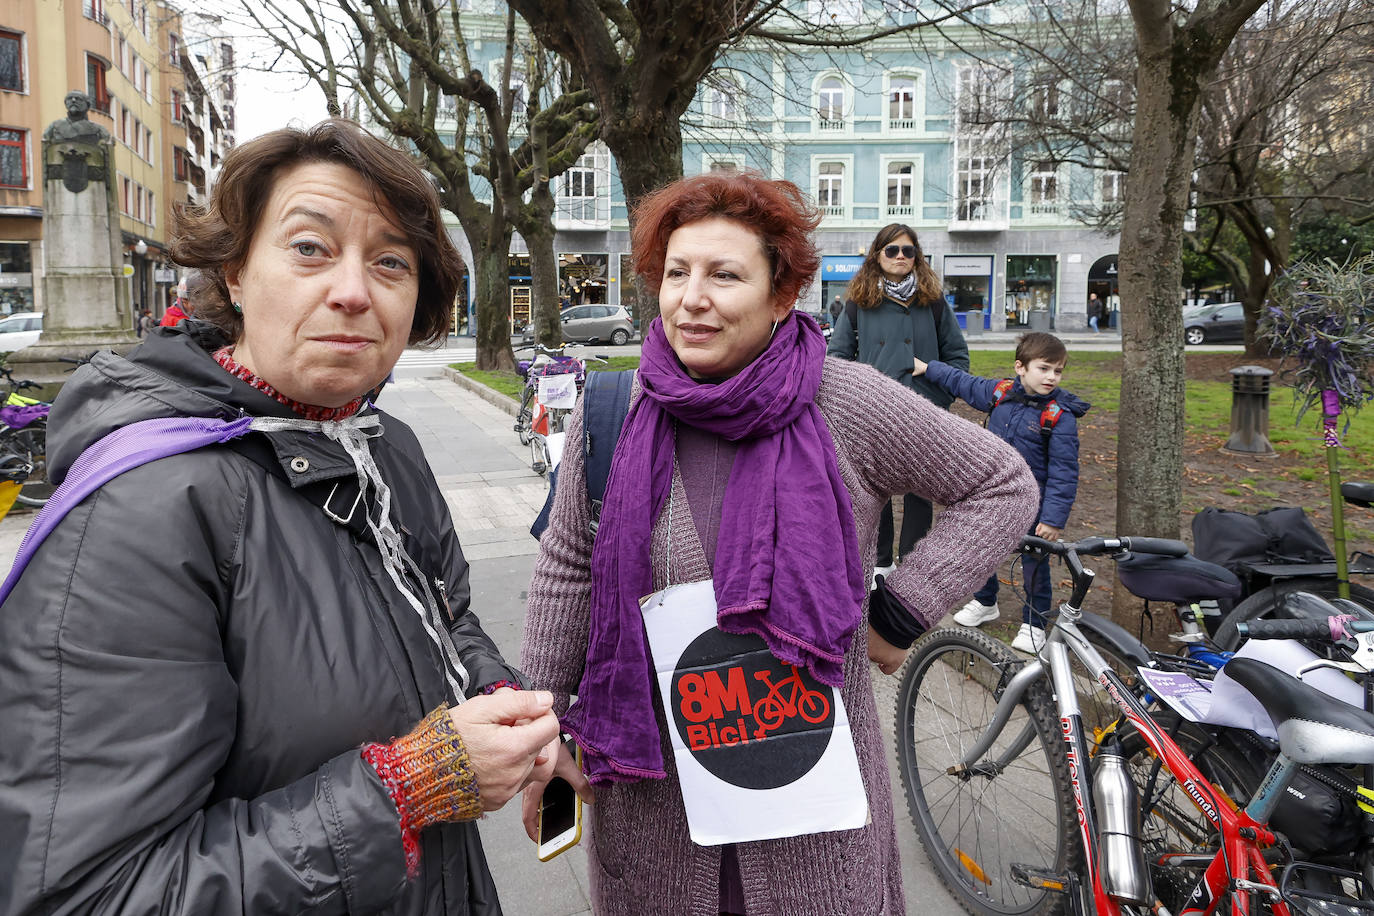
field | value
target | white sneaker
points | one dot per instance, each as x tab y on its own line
1029	639
975	613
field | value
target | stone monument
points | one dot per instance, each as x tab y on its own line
86	298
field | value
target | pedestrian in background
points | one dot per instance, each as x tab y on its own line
896	313
745	456
1096	311
1040	420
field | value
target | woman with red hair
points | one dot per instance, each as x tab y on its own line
747	455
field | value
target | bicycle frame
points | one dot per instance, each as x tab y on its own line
1237	865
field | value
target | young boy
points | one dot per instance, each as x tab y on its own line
1040	420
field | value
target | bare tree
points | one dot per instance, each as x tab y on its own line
1283	137
406	64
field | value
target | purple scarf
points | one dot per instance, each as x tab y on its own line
784	490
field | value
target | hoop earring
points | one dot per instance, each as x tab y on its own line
772	332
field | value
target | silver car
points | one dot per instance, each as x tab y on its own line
597	323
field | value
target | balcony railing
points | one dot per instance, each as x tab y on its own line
832	211
827	124
900	209
979	215
1045	209
902	123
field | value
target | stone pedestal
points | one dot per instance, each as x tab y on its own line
85	294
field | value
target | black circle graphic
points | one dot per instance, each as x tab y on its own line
749	719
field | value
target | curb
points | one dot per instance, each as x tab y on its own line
495	398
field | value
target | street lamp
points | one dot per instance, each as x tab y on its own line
140	248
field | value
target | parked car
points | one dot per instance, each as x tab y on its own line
1220	323
20	330
597	323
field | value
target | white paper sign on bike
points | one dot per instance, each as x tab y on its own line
763	750
558	391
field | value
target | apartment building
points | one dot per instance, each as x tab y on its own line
130	57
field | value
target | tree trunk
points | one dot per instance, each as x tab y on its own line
648	156
1150	448
493	303
537	229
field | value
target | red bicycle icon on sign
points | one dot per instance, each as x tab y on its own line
774	709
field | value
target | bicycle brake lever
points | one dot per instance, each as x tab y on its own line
1352	667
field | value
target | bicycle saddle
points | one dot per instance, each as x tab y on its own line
1178	580
1360	494
1313	727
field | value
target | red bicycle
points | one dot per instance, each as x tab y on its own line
1019	817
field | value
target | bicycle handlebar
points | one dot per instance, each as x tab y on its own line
1072	551
1304	628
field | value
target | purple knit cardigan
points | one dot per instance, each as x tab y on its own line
888	441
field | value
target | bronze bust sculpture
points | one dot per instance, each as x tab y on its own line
77	126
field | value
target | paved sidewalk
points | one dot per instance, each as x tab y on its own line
484	474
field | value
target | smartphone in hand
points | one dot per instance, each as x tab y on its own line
560	817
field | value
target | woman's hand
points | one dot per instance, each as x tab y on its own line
565	766
884	654
1048	532
920	367
507	736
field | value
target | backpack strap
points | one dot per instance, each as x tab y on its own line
1000	392
122	450
1048	417
607	401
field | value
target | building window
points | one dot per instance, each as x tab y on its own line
178	106
721	106
174	48
585	196
900	188
11	61
148	144
94	9
96	86
830	188
150	214
1045	100
901	103
1044	188
973	179
830	103
723	167
14	159
977	94
1113	187
179	159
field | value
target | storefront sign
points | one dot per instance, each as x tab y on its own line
840	267
164	275
968	265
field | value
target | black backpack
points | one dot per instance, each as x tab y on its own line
605	402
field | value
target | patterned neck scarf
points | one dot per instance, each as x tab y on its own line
225	357
903	289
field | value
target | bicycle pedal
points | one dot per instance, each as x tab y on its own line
1040	878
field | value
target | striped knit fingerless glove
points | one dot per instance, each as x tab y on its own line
428	775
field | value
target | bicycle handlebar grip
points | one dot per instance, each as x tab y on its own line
1165	547
1285	629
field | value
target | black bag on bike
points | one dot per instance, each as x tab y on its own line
1240	542
1318	819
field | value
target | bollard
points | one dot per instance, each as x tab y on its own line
1250	412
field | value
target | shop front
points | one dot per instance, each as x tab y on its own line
1102	279
1032	291
836	272
968	288
521	291
16	278
583	279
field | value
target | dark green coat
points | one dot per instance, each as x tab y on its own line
890	335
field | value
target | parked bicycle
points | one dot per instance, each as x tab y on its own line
539	422
24	441
1019	816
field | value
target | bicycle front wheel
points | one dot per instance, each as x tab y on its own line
525	416
1015	806
33	440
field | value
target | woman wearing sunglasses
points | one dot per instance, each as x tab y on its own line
896	314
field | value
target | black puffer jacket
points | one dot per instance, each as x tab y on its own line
192	660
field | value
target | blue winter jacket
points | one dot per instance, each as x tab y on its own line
1017	420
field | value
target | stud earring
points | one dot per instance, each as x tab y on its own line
238	308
